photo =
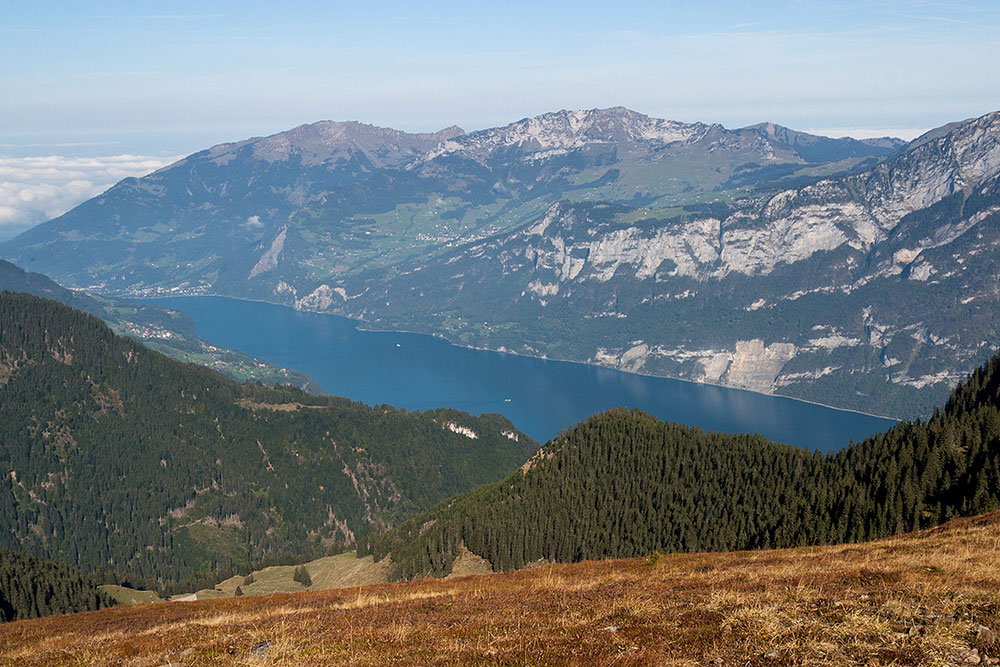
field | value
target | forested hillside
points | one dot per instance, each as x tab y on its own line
168	331
32	587
625	484
113	456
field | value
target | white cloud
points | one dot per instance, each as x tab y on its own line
36	189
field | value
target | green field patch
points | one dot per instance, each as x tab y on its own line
126	595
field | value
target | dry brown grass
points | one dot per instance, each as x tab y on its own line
912	600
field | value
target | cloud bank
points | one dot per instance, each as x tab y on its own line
36	189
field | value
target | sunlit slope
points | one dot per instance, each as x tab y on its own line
923	598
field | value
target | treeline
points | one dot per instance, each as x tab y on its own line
32	587
624	484
114	457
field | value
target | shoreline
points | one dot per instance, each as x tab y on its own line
439	336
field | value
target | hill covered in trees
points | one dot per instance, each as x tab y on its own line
113	456
165	330
32	587
623	484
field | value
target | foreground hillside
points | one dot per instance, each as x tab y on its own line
925	598
115	457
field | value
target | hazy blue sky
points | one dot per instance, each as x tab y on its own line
175	76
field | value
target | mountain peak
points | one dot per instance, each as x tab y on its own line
329	140
986	124
560	131
819	148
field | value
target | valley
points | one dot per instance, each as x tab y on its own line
542	397
614	334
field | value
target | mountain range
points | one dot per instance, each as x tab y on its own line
860	274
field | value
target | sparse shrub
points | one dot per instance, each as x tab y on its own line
301	575
654	558
247	580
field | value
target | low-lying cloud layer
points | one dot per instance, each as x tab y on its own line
36	189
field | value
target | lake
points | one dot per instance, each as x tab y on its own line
541	397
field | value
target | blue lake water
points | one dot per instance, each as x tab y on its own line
419	372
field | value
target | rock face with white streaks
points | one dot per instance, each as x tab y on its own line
823	275
792	225
756	366
269	259
319	299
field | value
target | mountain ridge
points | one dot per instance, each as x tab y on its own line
660	231
321	141
552	132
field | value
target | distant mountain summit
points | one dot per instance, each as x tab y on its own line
333	143
561	131
851	272
813	148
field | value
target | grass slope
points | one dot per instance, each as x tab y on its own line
340	571
923	598
126	595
